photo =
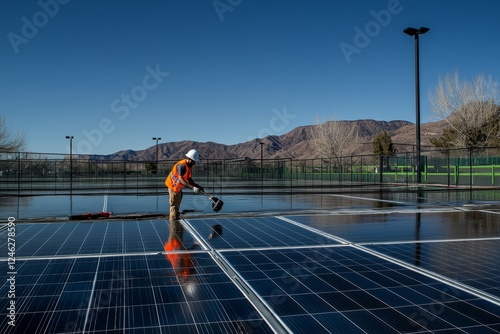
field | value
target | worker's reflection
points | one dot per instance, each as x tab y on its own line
182	262
179	254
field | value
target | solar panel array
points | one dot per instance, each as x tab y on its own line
326	273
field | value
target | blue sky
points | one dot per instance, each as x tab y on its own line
114	74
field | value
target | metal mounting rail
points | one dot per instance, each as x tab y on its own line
261	306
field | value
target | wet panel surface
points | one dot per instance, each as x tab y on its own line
406	226
358	268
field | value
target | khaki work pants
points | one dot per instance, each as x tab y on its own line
175	204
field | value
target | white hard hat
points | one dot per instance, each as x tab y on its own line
193	155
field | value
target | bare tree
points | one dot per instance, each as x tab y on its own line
10	142
334	139
470	108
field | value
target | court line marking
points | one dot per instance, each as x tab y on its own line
425	241
421	206
371	199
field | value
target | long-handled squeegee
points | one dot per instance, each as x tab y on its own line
216	203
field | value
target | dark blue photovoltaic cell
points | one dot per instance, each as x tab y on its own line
384	298
101	237
132	293
51	295
338	323
404	226
304	324
259	232
479	264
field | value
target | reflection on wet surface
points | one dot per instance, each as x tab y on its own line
62	206
406	226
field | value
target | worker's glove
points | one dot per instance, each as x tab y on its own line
196	190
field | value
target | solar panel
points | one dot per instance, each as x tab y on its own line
472	262
260	232
133	293
324	273
102	237
318	281
49	294
384	226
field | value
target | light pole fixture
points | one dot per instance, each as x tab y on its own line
416	32
70	161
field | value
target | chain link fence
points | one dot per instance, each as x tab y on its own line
38	174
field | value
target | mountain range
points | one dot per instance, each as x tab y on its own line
294	144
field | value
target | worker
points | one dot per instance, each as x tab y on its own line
180	177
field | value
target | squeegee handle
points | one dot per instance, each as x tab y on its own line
204	193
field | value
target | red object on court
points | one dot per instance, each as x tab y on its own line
90	215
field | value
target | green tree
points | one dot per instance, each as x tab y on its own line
383	145
446	140
150	167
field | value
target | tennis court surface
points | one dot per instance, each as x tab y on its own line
395	269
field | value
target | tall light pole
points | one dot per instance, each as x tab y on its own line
416	32
261	164
156	164
70	161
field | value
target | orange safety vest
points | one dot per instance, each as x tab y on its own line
172	180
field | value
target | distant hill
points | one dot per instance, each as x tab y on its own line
294	144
